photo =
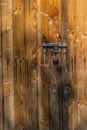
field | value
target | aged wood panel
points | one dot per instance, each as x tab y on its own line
7	54
20	66
77	46
72	63
44	66
39	56
80	30
28	64
42	96
85	48
1	90
33	65
31	57
65	85
54	32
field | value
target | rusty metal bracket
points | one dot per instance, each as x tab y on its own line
57	48
52	45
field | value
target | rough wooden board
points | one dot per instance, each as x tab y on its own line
26	104
1	91
54	32
71	13
33	55
29	46
20	66
28	64
80	56
85	49
44	119
7	49
80	31
77	55
39	55
79	47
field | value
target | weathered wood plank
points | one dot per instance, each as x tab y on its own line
79	47
72	108
39	55
1	84
80	31
54	32
28	64
33	56
77	55
44	120
7	54
20	64
85	49
37	89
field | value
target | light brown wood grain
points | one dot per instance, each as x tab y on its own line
28	63
34	64
20	65
7	54
1	84
77	64
32	88
44	125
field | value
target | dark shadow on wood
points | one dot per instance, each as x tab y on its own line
65	96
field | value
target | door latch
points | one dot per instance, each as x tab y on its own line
57	48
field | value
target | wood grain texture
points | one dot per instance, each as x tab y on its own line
1	81
77	70
35	94
28	64
34	63
54	33
44	69
7	55
20	66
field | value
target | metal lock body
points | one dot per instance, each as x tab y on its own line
55	56
56	47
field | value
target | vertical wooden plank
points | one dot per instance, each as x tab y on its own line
77	57
79	47
16	62
85	49
55	32
34	65
28	64
65	88
80	58
39	55
71	15
64	68
60	92
20	65
1	84
7	49
31	56
53	83
44	69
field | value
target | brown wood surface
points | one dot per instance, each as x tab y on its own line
35	94
1	81
7	62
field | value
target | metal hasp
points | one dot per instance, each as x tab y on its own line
57	48
52	45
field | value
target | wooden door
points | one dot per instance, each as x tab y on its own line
36	87
41	97
36	94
